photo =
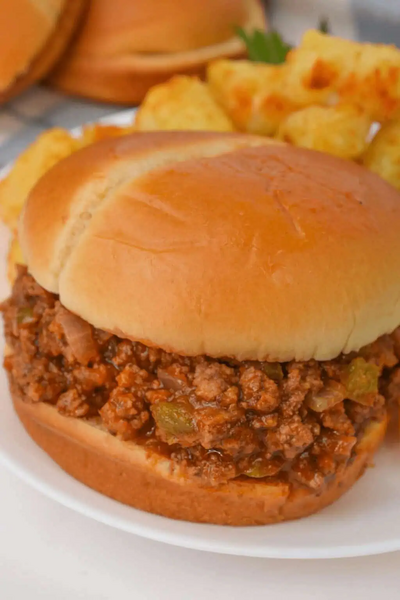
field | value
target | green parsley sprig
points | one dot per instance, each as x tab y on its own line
264	46
269	46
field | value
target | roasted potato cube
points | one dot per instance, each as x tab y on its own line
367	75
257	97
383	154
375	83
340	130
182	103
236	84
49	148
321	61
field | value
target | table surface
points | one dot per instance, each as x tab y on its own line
49	552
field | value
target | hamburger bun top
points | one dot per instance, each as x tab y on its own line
219	244
124	48
33	36
124	27
25	26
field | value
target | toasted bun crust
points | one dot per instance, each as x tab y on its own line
125	27
128	473
33	36
127	47
219	244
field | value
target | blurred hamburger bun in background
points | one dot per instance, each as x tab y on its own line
126	47
33	36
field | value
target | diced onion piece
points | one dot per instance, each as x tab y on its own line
169	381
78	334
329	396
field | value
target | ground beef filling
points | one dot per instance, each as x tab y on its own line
219	419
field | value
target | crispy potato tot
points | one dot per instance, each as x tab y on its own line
340	130
383	154
49	148
181	103
14	258
235	85
256	96
320	62
271	108
374	84
367	75
96	132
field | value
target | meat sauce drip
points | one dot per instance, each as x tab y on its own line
219	419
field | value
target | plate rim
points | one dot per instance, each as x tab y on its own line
82	507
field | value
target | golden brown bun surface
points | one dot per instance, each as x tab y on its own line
128	473
124	27
25	26
127	47
33	36
219	244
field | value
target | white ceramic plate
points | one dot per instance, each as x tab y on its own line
365	521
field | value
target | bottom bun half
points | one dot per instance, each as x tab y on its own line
130	474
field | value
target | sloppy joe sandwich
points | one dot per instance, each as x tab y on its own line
207	326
